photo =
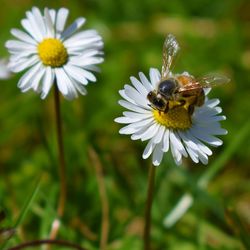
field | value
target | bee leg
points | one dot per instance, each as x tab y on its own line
201	99
166	108
151	106
191	109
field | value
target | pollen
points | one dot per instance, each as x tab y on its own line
52	52
176	118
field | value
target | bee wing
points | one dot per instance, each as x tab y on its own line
207	81
170	49
190	86
212	80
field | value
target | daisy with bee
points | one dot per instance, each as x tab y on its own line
172	111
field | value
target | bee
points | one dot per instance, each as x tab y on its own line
180	90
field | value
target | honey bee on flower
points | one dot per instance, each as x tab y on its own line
180	90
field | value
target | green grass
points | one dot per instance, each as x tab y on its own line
214	37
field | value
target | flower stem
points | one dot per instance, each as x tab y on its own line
34	243
103	196
149	201
61	158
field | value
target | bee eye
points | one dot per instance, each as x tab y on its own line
167	87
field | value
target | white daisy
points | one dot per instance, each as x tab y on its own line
4	71
53	54
176	130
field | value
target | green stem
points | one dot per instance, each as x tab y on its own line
34	243
61	158
149	201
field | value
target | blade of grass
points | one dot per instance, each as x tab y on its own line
25	209
203	181
238	226
49	211
2	215
223	158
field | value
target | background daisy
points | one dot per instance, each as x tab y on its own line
52	53
4	71
174	131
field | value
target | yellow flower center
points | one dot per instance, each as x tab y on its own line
176	118
52	52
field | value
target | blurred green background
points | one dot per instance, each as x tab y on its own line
214	37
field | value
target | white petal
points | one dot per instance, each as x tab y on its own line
82	43
135	95
89	56
93	60
49	23
48	80
21	55
203	157
199	144
149	149
166	139
39	20
141	131
125	120
129	129
176	154
24	82
193	155
211	128
86	54
133	107
35	27
137	115
140	88
52	14
60	81
23	36
157	155
27	26
61	19
77	86
80	75
25	64
187	141
154	77
82	90
151	132
142	123
93	68
207	90
81	35
19	46
127	98
65	85
206	138
73	28
193	149
212	102
77	51
159	136
145	82
175	139
37	78
214	119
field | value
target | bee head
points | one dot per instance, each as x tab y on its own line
156	102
